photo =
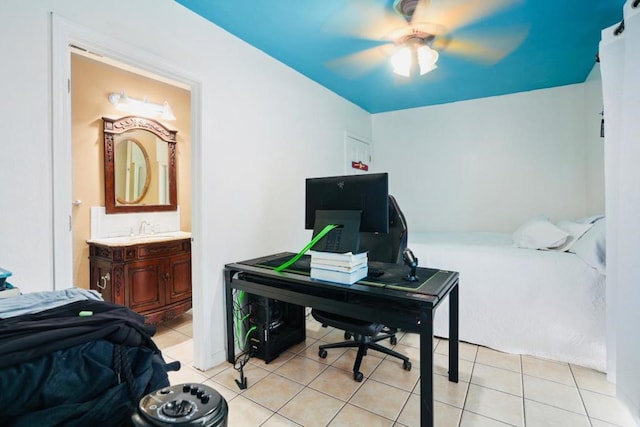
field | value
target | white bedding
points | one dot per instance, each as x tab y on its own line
544	303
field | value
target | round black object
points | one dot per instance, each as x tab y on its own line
182	405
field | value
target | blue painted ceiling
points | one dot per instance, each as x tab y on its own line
344	45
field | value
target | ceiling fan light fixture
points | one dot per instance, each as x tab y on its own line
421	57
401	61
427	59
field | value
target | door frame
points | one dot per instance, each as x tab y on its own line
63	34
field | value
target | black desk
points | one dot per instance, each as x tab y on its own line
411	310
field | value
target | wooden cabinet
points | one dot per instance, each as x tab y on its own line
151	278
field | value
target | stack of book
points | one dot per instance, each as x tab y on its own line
344	268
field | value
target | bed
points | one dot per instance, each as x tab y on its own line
520	296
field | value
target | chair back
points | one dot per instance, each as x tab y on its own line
387	247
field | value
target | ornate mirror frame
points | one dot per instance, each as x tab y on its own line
114	127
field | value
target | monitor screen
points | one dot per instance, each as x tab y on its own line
367	193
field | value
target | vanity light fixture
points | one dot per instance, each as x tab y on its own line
141	107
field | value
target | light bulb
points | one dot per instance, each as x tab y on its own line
401	62
427	59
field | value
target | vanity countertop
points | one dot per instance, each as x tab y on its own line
141	239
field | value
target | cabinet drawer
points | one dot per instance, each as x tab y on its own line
153	250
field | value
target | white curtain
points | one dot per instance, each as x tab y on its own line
620	67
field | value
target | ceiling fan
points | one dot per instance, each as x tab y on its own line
412	33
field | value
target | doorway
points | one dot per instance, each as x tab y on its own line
94	78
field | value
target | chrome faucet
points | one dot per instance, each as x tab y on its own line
143	227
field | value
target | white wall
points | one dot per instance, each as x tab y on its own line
490	164
620	55
264	129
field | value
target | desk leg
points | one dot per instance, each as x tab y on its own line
426	371
453	334
228	301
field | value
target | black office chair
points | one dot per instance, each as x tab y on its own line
384	248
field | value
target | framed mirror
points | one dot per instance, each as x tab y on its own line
139	165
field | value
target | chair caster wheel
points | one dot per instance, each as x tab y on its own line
347	335
406	365
322	353
393	340
358	376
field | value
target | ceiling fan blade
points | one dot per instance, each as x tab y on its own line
458	13
485	48
364	19
360	63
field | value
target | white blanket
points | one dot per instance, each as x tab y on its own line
542	303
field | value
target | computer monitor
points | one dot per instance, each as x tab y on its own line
356	203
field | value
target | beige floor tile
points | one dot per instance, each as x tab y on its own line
553	393
495	404
315	329
178	322
227	378
606	408
186	374
182	352
410	339
311	408
413	353
469	419
441	367
348	358
334	335
302	345
312	352
169	338
282	358
186	329
498	359
541	415
448	392
444	415
246	413
351	415
497	379
466	351
592	380
216	369
222	390
335	383
413	340
301	369
390	371
548	369
273	391
598	423
549	386
279	421
369	394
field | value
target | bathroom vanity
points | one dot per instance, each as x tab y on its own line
149	274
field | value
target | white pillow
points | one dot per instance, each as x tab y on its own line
591	247
539	233
575	230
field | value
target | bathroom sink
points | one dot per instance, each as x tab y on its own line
144	238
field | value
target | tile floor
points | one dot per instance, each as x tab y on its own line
495	389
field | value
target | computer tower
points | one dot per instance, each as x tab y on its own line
274	326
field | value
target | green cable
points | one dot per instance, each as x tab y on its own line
296	257
246	337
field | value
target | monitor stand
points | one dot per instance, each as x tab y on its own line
345	238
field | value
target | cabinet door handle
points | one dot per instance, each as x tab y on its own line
104	279
166	276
